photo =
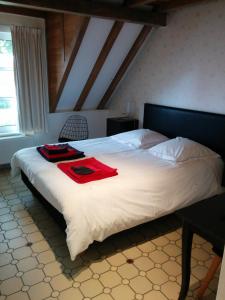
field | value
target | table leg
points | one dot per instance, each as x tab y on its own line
187	236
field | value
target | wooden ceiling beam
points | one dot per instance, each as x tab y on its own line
123	68
164	5
174	4
95	9
70	62
135	3
116	28
23	11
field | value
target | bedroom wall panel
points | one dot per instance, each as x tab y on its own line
182	65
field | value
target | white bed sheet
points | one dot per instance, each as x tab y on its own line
145	189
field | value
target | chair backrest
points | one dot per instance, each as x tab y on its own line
75	128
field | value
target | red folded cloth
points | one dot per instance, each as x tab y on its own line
100	170
71	153
56	149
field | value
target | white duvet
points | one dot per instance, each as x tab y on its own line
146	188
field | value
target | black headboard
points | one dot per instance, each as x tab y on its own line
205	128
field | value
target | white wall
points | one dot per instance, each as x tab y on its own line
181	65
96	123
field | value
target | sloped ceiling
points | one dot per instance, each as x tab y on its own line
85	56
93	41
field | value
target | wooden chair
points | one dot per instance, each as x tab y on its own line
210	274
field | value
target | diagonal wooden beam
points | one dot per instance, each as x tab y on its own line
70	62
23	11
129	58
94	8
99	63
135	3
174	4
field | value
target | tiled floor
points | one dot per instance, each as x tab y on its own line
35	263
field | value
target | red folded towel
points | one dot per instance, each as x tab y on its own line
101	170
70	154
56	149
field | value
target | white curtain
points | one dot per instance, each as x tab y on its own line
30	68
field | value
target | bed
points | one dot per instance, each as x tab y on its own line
146	187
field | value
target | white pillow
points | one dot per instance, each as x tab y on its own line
140	138
181	149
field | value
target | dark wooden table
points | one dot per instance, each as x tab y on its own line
207	219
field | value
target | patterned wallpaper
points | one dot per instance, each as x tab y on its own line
181	65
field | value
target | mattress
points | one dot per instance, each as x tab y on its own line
146	188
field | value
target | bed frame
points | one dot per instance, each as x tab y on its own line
205	128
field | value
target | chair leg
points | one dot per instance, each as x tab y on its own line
209	276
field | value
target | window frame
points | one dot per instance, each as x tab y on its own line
8	130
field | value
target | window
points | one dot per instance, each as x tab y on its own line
8	103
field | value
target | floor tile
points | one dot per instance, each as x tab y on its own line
144	263
110	279
116	259
137	264
5	259
71	294
100	267
61	282
53	268
46	257
27	264
172	268
32	277
171	290
128	271
40	291
132	253
7	271
17	242
14	233
40	246
157	276
3	247
160	241
154	295
140	284
172	250
11	286
83	275
158	256
9	225
122	292
91	288
22	252
18	296
103	297
147	247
